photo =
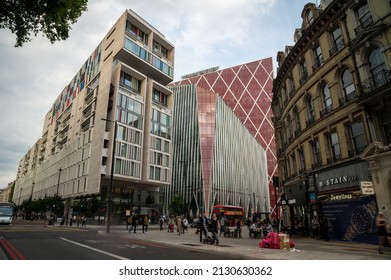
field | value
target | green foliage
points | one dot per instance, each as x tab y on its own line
51	17
41	205
176	206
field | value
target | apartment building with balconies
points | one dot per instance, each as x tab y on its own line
119	94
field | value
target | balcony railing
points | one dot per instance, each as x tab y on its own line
371	84
318	63
333	159
310	121
326	111
304	77
347	98
316	164
337	46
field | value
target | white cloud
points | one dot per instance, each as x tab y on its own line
205	33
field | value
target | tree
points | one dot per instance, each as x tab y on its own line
51	17
176	206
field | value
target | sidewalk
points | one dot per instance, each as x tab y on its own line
306	248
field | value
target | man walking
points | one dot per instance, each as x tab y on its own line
202	224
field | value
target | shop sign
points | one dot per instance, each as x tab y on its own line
367	188
337	180
292	201
312	197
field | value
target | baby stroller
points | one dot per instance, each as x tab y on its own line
211	237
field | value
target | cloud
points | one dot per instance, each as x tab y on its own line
205	34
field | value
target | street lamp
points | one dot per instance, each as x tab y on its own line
58	183
276	184
110	190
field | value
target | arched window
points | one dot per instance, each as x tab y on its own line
310	111
297	120
288	128
348	85
377	66
327	101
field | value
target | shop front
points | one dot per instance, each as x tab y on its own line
296	214
345	196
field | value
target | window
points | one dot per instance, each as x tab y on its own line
130	111
293	164
297	121
302	160
318	57
377	66
288	129
310	111
310	17
136	32
337	38
159	97
160	124
316	156
347	86
364	15
385	119
303	71
334	147
358	142
159	49
130	82
327	101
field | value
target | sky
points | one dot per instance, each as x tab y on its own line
205	33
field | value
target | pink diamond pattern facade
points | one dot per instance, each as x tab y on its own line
247	89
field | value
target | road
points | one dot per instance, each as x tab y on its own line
35	241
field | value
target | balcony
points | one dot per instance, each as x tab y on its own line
337	46
348	98
318	63
316	165
304	77
371	84
310	121
326	111
334	159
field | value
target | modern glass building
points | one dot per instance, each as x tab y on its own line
247	90
216	160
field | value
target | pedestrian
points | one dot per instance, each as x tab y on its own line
134	224
324	228
145	223
381	231
238	228
179	224
213	227
315	227
83	221
185	225
161	222
202	223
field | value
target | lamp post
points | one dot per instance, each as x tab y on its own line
59	177
276	185
110	189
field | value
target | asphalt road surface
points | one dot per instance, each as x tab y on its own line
38	242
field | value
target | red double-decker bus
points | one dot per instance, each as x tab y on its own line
229	212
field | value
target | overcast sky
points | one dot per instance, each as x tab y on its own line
205	33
